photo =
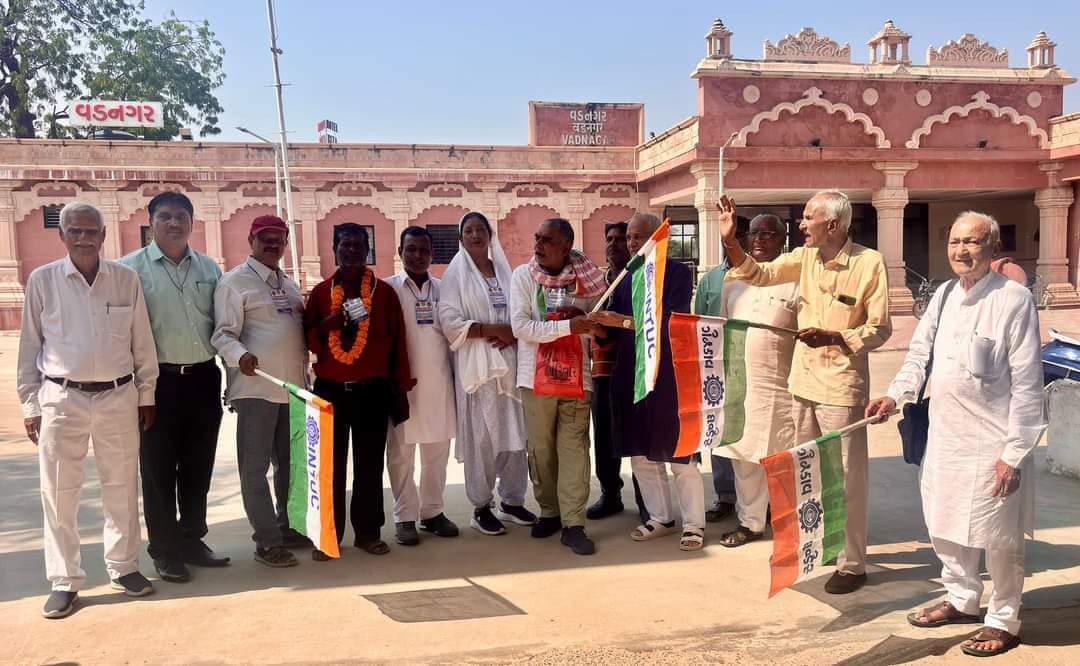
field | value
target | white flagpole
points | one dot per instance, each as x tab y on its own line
855	426
720	185
645	249
300	391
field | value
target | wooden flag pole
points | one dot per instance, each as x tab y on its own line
855	426
300	391
645	249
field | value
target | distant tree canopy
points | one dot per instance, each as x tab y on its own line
53	52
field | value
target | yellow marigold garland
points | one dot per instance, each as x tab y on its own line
337	300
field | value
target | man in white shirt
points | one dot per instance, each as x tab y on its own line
432	418
87	369
769	424
259	324
985	419
556	280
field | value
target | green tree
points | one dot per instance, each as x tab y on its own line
55	51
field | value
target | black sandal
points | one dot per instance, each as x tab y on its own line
739	537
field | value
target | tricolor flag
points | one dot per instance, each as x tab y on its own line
709	354
311	469
647	269
806	490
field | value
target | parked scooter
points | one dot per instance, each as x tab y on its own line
1060	358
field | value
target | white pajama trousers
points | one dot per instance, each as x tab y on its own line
652	477
70	419
960	576
411	505
751	494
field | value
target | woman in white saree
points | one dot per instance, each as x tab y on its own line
491	429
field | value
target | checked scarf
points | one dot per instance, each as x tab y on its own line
579	270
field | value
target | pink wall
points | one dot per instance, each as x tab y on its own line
1074	237
516	231
439	214
385	239
234	236
37	245
593	229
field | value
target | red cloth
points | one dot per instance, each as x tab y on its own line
386	354
1008	267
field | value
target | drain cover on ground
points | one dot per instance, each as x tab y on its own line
442	604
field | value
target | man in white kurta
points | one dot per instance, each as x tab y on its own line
432	419
87	370
768	402
986	416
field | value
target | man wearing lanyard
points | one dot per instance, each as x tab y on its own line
432	419
259	314
176	456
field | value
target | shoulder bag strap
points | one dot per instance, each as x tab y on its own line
930	361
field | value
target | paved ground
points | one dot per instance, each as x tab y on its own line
511	598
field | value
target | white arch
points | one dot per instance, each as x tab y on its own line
812	97
981	100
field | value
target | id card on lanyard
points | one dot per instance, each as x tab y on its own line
425	313
281	300
497	297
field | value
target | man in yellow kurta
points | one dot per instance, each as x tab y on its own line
843	315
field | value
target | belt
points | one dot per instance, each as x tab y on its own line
186	369
92	387
359	384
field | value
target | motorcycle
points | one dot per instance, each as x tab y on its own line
1060	358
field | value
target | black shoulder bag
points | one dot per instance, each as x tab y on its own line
915	424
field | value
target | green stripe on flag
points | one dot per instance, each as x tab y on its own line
831	462
635	263
734	381
297	505
637	297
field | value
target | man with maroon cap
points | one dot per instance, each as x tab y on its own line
259	314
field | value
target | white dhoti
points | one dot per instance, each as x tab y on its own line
751	494
960	576
410	504
69	420
652	478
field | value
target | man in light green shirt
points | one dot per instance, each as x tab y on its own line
176	455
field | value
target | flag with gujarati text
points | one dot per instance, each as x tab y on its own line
806	490
647	293
311	469
709	354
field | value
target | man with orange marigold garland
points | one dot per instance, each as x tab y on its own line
355	327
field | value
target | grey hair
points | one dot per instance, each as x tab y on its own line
836	206
995	228
778	225
80	207
652	220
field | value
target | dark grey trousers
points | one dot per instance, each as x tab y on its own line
262	442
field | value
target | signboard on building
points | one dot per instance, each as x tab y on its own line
108	113
586	124
327	131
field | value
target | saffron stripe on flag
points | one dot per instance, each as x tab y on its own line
683	333
780	471
310	505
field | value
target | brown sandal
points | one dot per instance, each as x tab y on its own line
740	536
949	615
985	635
373	547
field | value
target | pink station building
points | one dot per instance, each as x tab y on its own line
913	144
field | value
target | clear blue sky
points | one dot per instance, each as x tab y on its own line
414	71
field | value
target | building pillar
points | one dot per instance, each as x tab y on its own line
109	205
210	212
706	196
575	212
310	268
1053	263
11	289
492	208
401	213
890	202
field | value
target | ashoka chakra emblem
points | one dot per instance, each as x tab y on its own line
312	430
810	515
714	390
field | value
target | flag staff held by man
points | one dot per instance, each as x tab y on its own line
176	456
843	315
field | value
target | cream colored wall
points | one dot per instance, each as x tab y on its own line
1021	212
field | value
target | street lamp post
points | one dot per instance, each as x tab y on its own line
277	200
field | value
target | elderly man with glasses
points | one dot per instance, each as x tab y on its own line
985	419
843	315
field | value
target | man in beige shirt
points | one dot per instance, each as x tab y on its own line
87	371
843	315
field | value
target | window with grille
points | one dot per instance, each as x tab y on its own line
52	217
146	234
683	242
371	244
444	242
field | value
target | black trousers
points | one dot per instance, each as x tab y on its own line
176	459
605	450
361	409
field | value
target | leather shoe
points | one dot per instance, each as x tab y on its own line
604	507
406	533
200	555
842	583
172	571
546	526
